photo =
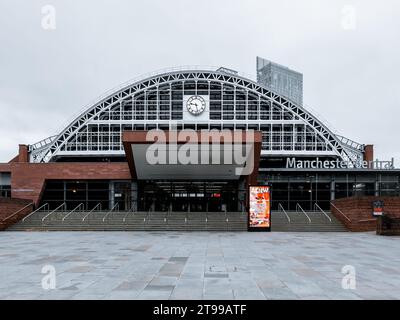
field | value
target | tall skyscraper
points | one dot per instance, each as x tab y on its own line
280	79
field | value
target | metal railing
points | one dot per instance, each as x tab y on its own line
73	210
281	209
243	206
340	211
316	206
351	143
63	205
147	216
166	215
46	205
127	214
42	143
366	220
116	206
18	211
301	209
97	207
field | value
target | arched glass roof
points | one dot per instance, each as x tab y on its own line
234	102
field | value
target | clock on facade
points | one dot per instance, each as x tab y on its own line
196	105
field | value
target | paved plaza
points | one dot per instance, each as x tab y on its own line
198	265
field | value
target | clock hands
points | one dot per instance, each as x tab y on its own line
195	105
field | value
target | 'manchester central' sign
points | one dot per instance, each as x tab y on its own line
293	163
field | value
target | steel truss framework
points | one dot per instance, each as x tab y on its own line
47	150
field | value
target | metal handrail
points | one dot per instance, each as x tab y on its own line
128	213
340	211
281	209
147	215
18	211
109	212
299	206
243	205
72	211
42	206
87	215
56	209
316	205
366	220
166	216
320	209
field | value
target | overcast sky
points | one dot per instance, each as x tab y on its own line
348	52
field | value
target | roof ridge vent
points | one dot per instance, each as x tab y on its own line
227	70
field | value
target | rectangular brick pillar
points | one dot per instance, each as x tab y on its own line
23	153
369	153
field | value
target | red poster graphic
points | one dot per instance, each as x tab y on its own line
377	208
259	207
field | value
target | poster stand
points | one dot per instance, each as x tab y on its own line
259	208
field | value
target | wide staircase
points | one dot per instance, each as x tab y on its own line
305	221
103	220
60	219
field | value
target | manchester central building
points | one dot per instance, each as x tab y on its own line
96	173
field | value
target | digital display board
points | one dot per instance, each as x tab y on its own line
259	208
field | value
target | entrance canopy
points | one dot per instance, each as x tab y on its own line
192	155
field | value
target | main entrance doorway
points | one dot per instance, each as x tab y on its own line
188	196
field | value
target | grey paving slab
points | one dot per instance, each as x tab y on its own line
131	285
159	287
122	295
198	265
154	295
186	295
216	275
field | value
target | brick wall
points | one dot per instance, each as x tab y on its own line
10	206
5	167
358	210
369	152
27	179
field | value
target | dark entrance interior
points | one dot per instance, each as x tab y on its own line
188	196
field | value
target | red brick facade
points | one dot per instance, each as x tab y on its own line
358	211
10	206
27	179
369	152
23	155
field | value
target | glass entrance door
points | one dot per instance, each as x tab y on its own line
122	195
188	196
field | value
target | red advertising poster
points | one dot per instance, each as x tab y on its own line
259	208
377	208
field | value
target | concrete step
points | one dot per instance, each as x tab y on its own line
141	221
179	221
300	223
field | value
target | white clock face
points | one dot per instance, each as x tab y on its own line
196	105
